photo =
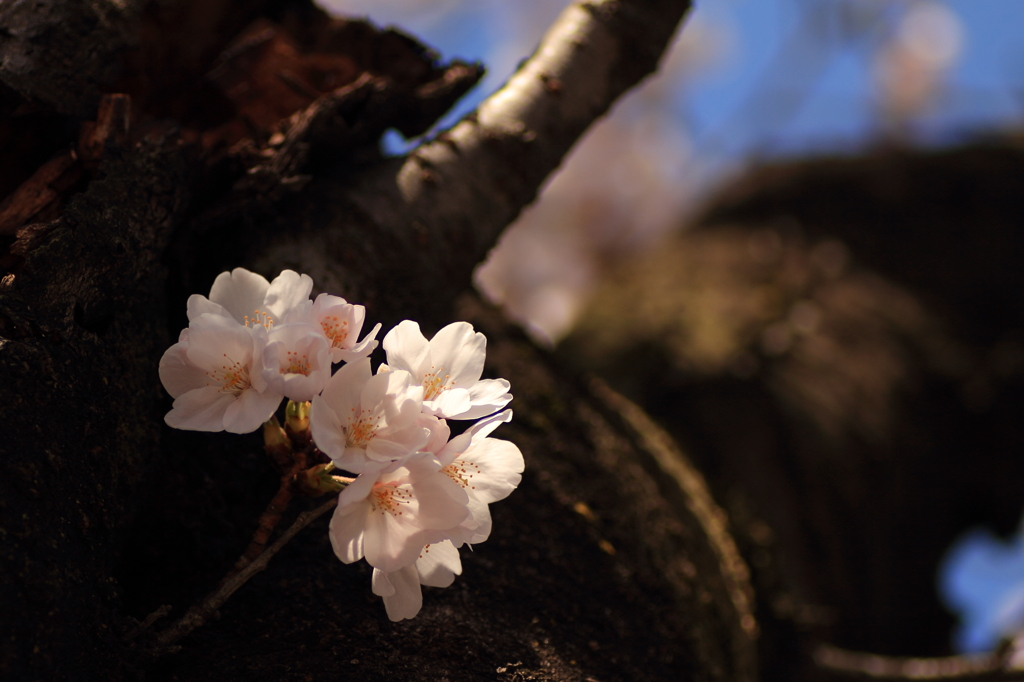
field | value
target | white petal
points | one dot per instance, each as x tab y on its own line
214	339
289	347
417	467
404	402
397	446
259	343
380	584
343	390
287	294
439	433
497	466
407	348
249	410
442	504
240	292
461	352
486	427
407	599
450	404
356	461
198	305
177	374
438	564
347	531
360	350
327	432
201	409
476	528
487	397
358	490
390	544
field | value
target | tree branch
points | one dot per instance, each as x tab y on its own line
964	668
468	184
200	613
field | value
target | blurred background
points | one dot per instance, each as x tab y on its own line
814	149
747	80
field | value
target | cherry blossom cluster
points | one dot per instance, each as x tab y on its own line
418	493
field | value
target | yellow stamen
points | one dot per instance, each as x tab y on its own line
233	377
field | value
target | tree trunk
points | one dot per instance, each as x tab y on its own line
151	145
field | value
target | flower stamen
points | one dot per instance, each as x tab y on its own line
361	429
462	473
296	364
259	317
336	331
389	499
434	385
233	378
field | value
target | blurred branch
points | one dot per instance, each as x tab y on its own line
966	668
466	185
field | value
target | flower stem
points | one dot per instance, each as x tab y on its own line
269	518
200	613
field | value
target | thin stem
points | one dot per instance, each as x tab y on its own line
144	625
200	613
268	520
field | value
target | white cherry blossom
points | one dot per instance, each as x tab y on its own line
449	367
296	361
487	469
389	516
341	323
436	566
211	374
365	422
251	300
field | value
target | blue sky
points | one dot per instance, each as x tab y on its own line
985	89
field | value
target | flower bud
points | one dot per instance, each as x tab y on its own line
318	480
296	422
277	443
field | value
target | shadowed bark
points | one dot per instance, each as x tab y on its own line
838	345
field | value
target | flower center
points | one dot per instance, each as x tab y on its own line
390	498
336	331
259	317
434	384
296	364
232	376
361	429
462	473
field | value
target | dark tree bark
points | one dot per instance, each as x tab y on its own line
838	344
151	145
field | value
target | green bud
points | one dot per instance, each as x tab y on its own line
277	443
274	436
318	480
296	418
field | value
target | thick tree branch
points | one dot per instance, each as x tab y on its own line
468	184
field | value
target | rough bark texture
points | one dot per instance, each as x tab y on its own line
250	139
601	565
839	346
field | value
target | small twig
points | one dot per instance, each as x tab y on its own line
962	668
200	613
144	625
268	520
